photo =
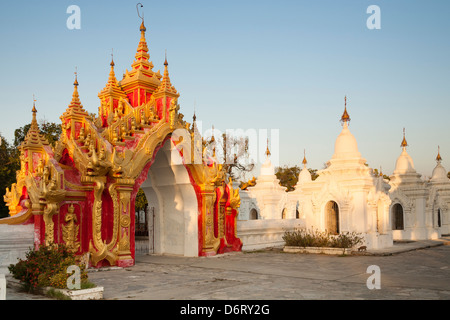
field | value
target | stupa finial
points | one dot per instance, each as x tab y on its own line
267	150
404	143
345	117
438	157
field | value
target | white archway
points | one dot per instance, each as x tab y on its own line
169	190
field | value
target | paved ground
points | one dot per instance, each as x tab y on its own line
409	271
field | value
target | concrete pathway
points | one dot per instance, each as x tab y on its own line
408	271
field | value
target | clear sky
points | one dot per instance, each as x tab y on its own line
251	65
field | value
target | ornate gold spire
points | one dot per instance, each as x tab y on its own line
75	107
34	136
345	117
112	76
438	157
141	76
166	85
404	143
34	111
142	50
75	103
112	85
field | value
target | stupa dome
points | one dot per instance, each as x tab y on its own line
346	146
267	168
439	173
404	163
305	175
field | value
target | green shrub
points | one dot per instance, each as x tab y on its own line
315	238
46	266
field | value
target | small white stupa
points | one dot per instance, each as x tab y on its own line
304	175
269	194
409	195
439	198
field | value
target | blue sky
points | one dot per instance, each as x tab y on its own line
283	65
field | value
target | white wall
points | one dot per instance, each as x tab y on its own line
259	234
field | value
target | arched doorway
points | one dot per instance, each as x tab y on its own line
397	217
284	214
169	191
332	217
253	214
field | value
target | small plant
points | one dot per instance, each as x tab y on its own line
46	266
346	240
52	293
314	238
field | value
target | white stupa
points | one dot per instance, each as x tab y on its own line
439	198
409	193
346	197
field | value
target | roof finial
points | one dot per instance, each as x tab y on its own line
304	157
345	117
194	117
439	158
142	29
76	77
267	150
112	58
165	62
34	124
34	105
404	143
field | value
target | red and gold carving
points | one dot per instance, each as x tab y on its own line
81	192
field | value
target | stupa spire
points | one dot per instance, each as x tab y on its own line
345	117
267	150
304	162
404	144
438	157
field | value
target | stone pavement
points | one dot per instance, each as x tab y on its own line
408	271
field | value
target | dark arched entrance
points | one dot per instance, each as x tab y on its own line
332	217
397	217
